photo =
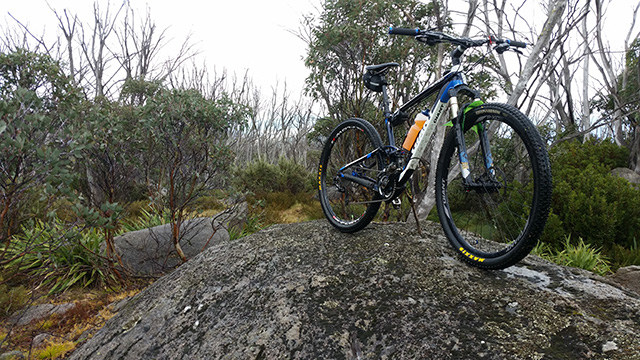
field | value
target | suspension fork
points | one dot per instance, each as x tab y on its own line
486	149
458	127
463	156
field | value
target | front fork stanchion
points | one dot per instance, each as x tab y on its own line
462	146
463	156
486	150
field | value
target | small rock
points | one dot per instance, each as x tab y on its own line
12	355
628	277
151	251
39	312
512	307
627	174
609	346
40	339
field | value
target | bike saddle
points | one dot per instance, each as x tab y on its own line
381	68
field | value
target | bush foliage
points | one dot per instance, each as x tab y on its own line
260	177
588	201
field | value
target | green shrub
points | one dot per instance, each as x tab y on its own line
12	298
254	224
622	256
576	155
293	177
146	219
256	177
583	256
54	350
262	177
588	201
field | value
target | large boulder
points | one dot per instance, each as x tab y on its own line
150	252
307	291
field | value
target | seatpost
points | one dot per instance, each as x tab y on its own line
387	114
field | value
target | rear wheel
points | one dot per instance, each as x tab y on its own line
496	222
346	201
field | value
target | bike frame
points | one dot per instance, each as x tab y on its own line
448	86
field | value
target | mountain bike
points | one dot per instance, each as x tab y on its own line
493	178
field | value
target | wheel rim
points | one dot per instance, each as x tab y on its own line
489	220
347	201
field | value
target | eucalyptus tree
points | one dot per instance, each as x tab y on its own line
349	35
185	148
37	142
618	99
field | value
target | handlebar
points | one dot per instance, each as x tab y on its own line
403	31
434	37
520	44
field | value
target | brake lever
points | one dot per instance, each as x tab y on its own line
501	48
430	41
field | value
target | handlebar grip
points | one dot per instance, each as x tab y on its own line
519	44
403	31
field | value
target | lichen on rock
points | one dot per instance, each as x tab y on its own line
306	291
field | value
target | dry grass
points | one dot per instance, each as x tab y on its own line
287	208
65	332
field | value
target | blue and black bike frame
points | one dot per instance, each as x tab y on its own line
449	86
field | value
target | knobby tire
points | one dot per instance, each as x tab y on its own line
495	226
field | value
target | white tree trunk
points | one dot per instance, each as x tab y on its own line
423	208
556	10
428	201
586	111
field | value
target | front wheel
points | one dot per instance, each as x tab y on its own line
348	164
495	222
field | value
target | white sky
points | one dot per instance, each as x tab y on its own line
236	35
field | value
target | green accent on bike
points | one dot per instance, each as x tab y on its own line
473	105
469	107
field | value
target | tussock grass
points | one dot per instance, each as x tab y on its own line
575	254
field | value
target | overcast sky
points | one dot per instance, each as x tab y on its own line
236	34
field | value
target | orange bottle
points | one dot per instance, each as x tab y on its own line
421	118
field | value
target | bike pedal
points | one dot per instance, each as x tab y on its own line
396	203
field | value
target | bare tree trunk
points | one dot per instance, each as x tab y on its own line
471	13
95	49
586	111
68	30
634	155
611	80
606	68
502	70
556	9
426	203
